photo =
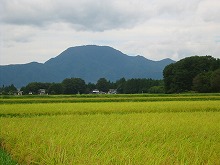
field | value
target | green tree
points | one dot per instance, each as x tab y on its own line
201	83
11	89
215	81
131	86
73	86
89	87
1	89
35	86
102	85
55	88
156	89
120	85
169	79
178	77
80	85
140	85
68	87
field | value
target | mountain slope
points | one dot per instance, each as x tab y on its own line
87	62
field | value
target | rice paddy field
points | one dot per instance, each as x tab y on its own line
110	129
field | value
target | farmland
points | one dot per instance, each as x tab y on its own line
111	129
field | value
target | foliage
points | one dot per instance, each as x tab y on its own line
5	158
90	87
207	82
179	77
121	85
35	86
73	86
102	85
215	80
140	85
78	85
156	89
55	88
8	90
201	83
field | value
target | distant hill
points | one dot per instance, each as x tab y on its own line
87	62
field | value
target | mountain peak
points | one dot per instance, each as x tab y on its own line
89	62
86	52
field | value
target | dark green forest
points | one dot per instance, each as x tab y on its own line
78	86
197	73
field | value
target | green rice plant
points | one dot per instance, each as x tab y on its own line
106	98
28	110
161	132
146	138
5	158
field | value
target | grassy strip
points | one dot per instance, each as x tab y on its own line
107	95
141	98
5	158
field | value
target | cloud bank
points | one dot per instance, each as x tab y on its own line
40	29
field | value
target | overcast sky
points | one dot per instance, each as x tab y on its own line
37	30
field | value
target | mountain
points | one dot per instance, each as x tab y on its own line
87	62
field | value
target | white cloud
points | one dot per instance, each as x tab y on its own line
97	15
40	29
210	10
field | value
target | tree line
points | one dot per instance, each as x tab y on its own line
197	73
8	90
78	86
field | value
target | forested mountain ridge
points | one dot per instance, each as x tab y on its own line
87	62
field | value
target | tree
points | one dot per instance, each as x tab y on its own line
102	85
68	87
131	86
169	79
178	77
120	85
11	89
156	89
89	87
80	85
215	81
1	89
73	86
35	86
55	88
140	85
201	83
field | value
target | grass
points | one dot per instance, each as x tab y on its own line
5	158
155	132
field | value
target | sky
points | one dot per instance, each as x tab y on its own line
37	30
